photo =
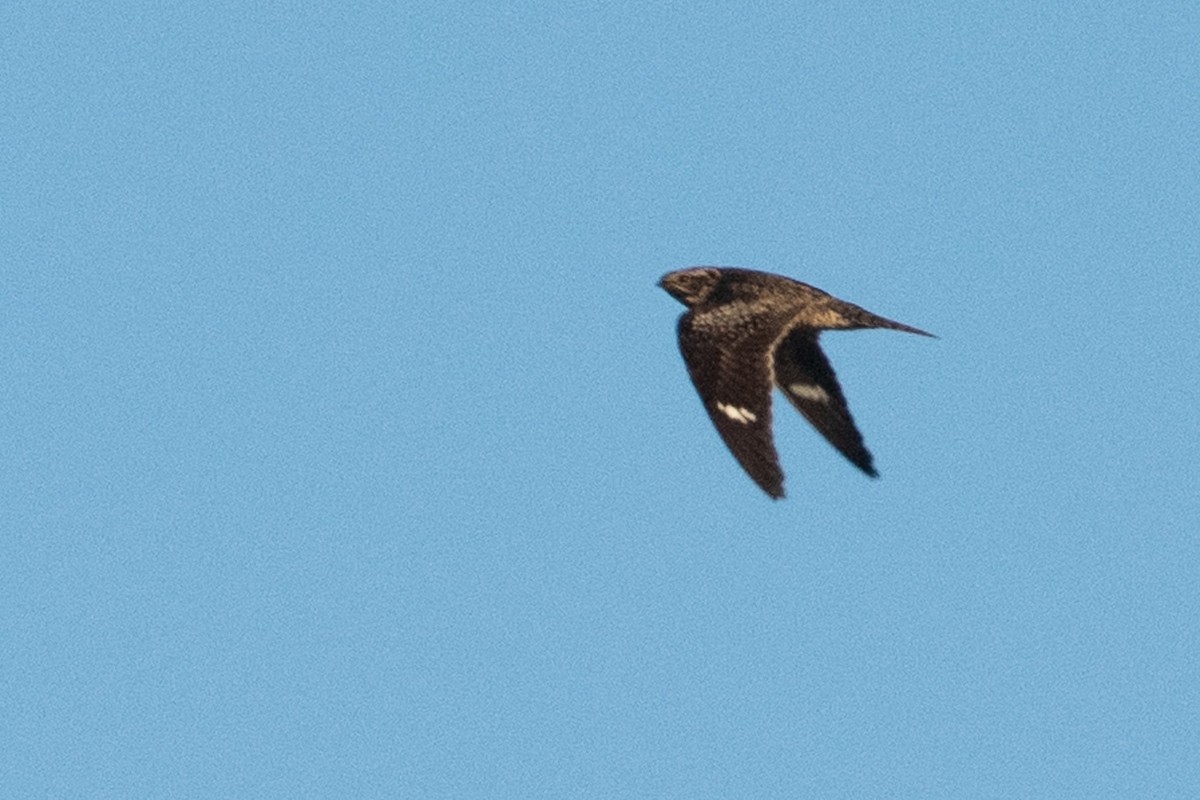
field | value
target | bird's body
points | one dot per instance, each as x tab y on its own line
745	332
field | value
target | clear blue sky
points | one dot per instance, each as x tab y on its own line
347	451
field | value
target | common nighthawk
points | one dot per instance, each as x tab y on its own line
745	332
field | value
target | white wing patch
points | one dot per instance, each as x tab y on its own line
808	391
737	413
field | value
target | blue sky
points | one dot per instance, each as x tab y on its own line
348	451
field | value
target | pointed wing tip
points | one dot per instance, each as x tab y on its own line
771	489
917	331
867	467
891	324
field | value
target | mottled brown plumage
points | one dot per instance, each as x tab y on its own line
745	332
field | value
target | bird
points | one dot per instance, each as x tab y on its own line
745	332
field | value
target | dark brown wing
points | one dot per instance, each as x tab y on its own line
728	359
806	377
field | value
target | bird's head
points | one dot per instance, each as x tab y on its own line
691	286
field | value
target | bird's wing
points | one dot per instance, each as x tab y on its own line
730	365
806	377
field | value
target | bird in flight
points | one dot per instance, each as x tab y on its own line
745	332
